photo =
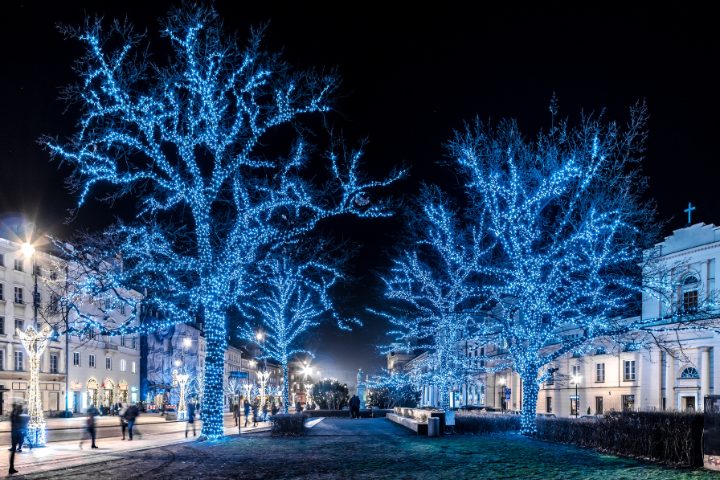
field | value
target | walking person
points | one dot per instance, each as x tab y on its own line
190	419
236	413
265	412
131	414
246	406
16	435
255	407
123	422
90	426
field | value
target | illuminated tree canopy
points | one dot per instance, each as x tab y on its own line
293	298
212	144
568	226
434	286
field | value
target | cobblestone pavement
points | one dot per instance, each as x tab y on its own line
389	454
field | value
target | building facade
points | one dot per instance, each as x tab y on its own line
675	368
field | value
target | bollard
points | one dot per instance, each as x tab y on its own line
433	427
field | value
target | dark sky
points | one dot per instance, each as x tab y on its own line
409	78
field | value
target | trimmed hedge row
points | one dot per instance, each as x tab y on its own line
485	423
366	413
666	437
288	424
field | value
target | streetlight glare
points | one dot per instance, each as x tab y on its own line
259	336
28	250
187	342
501	381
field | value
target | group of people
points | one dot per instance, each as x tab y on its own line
258	414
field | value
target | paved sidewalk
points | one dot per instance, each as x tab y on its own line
67	454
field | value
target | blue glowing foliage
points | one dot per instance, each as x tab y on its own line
194	140
433	285
565	215
293	297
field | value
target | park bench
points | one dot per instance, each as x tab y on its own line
416	419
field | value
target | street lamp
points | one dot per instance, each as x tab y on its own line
35	341
576	380
502	382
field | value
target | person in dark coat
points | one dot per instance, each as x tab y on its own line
92	412
246	406
190	418
354	407
16	434
131	415
236	413
255	408
123	422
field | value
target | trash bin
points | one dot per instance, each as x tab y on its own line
433	427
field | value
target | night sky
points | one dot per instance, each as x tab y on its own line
409	78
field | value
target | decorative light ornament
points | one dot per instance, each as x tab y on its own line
35	343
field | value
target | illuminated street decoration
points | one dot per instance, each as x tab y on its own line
568	227
188	138
432	286
35	343
293	298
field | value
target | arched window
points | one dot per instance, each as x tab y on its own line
690	288
690	372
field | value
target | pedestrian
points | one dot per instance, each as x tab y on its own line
298	407
131	415
90	426
354	407
123	422
275	409
265	412
255	407
190	418
246	406
16	435
236	413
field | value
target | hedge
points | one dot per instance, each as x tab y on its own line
667	437
467	422
288	424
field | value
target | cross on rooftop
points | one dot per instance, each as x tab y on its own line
689	211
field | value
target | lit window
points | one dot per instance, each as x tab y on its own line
122	364
132	367
690	287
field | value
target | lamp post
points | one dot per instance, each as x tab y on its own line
308	392
182	378
35	341
502	381
263	378
576	381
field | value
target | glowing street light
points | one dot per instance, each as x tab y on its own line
502	381
576	380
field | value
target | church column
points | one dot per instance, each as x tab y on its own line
670	381
704	376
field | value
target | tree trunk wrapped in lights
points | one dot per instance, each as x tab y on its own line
194	140
35	342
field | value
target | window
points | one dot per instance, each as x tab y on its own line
628	403
53	363
18	295
600	372
2	325
133	343
690	372
598	405
690	287
122	309
18	264
482	354
629	370
2	293
18	361
19	324
122	340
122	365
54	303
91	361
2	260
2	360
108	363
132	367
76	359
548	404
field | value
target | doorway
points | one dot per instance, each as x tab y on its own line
688	404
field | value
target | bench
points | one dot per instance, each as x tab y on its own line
416	419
